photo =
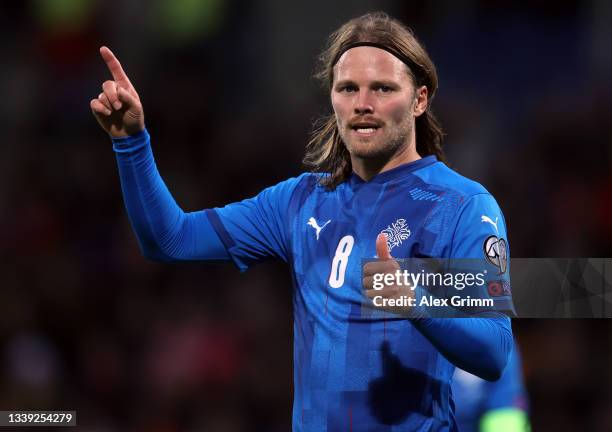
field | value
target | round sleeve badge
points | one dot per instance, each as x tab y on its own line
495	251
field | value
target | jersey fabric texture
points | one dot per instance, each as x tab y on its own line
352	371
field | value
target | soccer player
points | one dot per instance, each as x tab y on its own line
377	168
501	405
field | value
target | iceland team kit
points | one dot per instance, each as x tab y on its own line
352	371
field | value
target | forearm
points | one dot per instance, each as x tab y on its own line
480	346
165	232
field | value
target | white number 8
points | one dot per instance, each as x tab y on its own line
338	267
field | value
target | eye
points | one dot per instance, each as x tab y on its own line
348	89
384	89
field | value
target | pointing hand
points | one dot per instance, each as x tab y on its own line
118	108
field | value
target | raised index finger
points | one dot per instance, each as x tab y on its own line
114	67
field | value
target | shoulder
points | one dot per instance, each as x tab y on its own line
450	182
304	183
462	200
309	182
292	189
289	185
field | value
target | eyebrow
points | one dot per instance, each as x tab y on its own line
375	83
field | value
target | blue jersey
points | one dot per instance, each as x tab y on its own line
474	397
356	372
353	371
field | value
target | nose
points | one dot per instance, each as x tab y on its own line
363	103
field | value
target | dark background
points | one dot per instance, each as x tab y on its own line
86	323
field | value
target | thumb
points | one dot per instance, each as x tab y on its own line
382	249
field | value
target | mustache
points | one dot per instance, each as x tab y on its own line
365	122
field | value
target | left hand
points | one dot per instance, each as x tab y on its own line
386	265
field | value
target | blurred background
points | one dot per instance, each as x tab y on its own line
87	324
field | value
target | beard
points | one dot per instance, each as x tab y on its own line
387	143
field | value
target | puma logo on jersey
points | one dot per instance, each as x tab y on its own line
313	223
487	219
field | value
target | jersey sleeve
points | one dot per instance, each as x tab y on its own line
164	231
479	218
509	390
479	345
257	228
480	243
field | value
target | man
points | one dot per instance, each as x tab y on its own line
382	191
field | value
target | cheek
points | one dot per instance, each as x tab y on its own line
341	108
398	111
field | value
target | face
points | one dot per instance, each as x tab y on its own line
375	102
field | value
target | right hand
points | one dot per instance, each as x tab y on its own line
118	108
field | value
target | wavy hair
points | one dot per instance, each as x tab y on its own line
325	151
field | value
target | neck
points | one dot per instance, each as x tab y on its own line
368	168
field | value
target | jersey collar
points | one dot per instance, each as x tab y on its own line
396	172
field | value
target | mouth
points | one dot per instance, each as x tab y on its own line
365	128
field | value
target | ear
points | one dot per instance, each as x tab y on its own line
421	95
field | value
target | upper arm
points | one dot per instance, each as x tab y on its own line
257	228
479	218
479	243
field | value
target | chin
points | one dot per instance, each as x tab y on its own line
369	149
